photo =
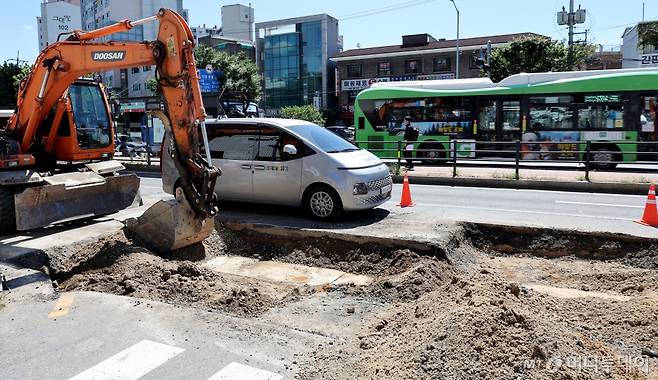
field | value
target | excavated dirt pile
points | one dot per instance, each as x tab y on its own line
513	316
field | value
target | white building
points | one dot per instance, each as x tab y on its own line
98	13
632	55
238	22
57	16
205	31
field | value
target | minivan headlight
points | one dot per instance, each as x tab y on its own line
360	189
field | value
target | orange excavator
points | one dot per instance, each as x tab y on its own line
56	150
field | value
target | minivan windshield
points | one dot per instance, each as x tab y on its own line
323	139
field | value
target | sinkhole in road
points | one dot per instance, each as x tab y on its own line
477	301
248	272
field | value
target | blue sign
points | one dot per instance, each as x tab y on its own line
209	80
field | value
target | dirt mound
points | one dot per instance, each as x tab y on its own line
116	265
479	324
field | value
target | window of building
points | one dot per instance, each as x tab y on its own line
384	69
442	64
146	68
135	70
354	70
412	66
137	86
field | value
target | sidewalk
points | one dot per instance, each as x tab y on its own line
616	182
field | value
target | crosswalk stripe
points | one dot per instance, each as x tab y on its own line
131	363
235	371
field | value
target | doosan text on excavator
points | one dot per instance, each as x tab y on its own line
56	150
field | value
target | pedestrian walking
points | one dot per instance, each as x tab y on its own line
410	136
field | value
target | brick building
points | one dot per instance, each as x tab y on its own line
420	57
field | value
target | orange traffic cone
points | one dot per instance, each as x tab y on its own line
650	217
406	201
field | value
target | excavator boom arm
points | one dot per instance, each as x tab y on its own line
60	64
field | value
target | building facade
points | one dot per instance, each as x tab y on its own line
57	17
635	56
293	58
420	57
238	22
130	83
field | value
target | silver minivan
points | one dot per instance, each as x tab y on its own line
295	163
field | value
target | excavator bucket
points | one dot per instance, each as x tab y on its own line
170	225
71	196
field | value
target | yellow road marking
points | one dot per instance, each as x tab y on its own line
62	306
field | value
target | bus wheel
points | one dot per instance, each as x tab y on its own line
604	159
433	154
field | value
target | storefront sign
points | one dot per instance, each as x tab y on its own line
649	59
209	79
436	76
360	84
133	107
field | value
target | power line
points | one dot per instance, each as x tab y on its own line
354	15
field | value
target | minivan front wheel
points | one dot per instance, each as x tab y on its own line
323	203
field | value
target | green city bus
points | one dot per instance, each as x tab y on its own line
552	115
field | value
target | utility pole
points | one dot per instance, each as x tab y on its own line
570	19
458	53
571	23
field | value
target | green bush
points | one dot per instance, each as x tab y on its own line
308	113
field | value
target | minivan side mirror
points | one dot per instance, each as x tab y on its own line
289	149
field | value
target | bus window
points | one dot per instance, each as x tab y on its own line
487	120
600	112
648	116
550	112
511	119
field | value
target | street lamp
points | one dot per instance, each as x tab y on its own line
457	63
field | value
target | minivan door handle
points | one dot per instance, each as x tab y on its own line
259	167
246	167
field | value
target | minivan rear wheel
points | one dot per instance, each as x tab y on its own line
323	203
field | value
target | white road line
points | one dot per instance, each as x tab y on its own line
526	212
131	363
235	371
597	204
489	189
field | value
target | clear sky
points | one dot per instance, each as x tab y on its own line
383	22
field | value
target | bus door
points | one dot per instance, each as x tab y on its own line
499	120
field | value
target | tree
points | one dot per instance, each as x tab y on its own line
647	33
239	73
307	112
11	75
533	55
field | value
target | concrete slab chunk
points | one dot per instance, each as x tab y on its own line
284	272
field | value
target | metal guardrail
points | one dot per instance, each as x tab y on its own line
521	152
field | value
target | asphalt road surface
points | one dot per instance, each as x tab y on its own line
538	208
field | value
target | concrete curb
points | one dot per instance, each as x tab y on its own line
581	187
141	167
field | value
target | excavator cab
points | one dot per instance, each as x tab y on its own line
86	129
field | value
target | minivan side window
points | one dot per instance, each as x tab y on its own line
271	143
228	143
